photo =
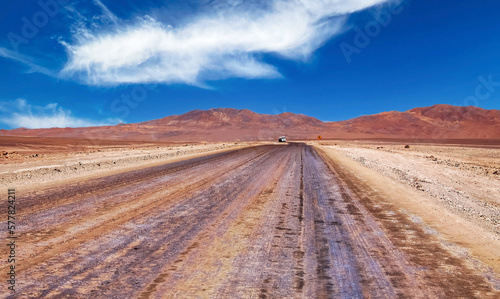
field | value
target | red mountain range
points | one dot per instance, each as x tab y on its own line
227	124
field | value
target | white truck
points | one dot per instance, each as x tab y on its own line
282	139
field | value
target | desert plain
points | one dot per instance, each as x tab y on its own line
374	218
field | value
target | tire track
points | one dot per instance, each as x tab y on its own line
92	218
187	198
269	222
414	261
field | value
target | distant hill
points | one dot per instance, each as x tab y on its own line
227	124
435	122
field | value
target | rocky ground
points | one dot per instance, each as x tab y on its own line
465	180
38	161
454	189
317	220
269	221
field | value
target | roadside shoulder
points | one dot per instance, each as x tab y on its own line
58	175
482	244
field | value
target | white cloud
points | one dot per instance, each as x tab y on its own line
19	113
222	44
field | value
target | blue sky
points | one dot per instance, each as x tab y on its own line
101	62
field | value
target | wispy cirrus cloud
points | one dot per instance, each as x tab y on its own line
33	67
224	42
106	11
19	113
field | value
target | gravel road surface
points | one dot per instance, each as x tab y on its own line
271	221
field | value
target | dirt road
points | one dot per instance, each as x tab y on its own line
275	221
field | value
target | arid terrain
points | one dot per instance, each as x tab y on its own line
314	219
437	122
250	149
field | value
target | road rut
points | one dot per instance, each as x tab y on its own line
275	221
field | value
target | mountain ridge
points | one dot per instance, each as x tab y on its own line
439	121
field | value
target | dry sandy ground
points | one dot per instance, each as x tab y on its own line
453	189
41	162
333	220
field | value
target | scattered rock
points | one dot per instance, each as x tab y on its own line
407	146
